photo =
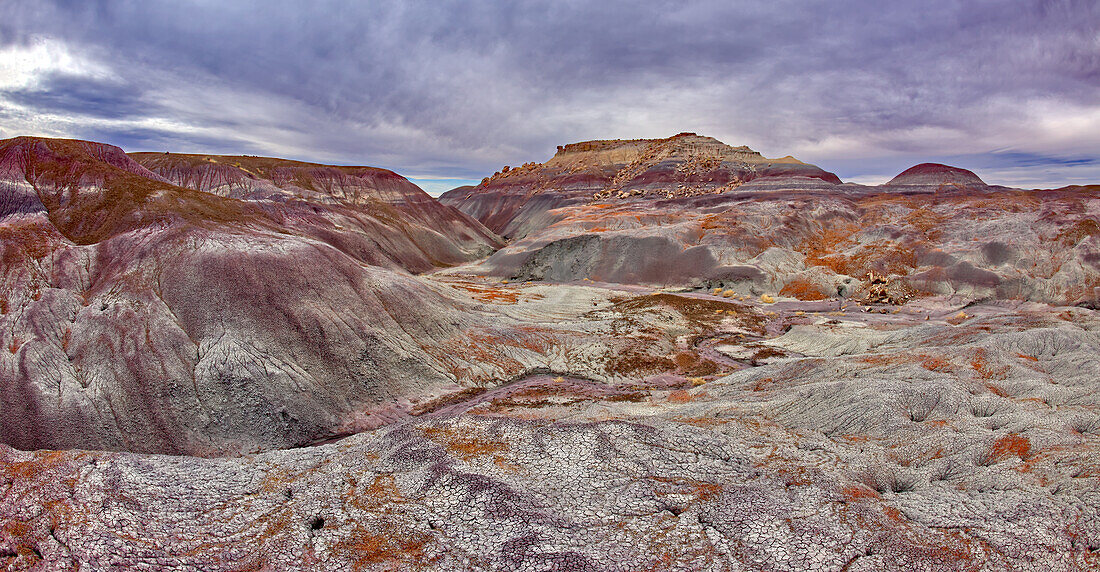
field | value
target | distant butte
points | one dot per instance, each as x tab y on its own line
937	174
684	165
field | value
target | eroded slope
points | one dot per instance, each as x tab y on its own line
517	202
933	230
139	315
872	442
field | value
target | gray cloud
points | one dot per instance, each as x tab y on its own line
456	89
79	96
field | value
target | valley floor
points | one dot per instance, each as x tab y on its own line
640	429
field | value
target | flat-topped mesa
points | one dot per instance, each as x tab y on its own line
267	178
936	174
514	200
682	165
683	144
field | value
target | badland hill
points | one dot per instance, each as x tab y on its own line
639	355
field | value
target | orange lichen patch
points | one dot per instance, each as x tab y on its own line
14	345
763	384
464	446
985	370
380	495
935	363
828	240
694	366
927	221
488	294
1011	445
384	544
706	491
795	476
635	360
1077	232
23	536
802	290
883	359
484	346
59	510
24	240
701	310
838	263
884	257
701	489
39	465
1084	289
384	487
894	514
909	457
931	363
854	493
1027	357
504	465
679	396
711	222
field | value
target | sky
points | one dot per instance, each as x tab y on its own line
448	92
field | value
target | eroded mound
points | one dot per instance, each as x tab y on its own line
516	201
935	174
139	315
934	230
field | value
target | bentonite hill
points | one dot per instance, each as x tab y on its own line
666	354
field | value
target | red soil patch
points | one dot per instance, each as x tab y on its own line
984	369
679	396
464	446
489	294
857	492
803	290
1077	232
1011	445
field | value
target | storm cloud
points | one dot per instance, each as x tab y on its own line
447	91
